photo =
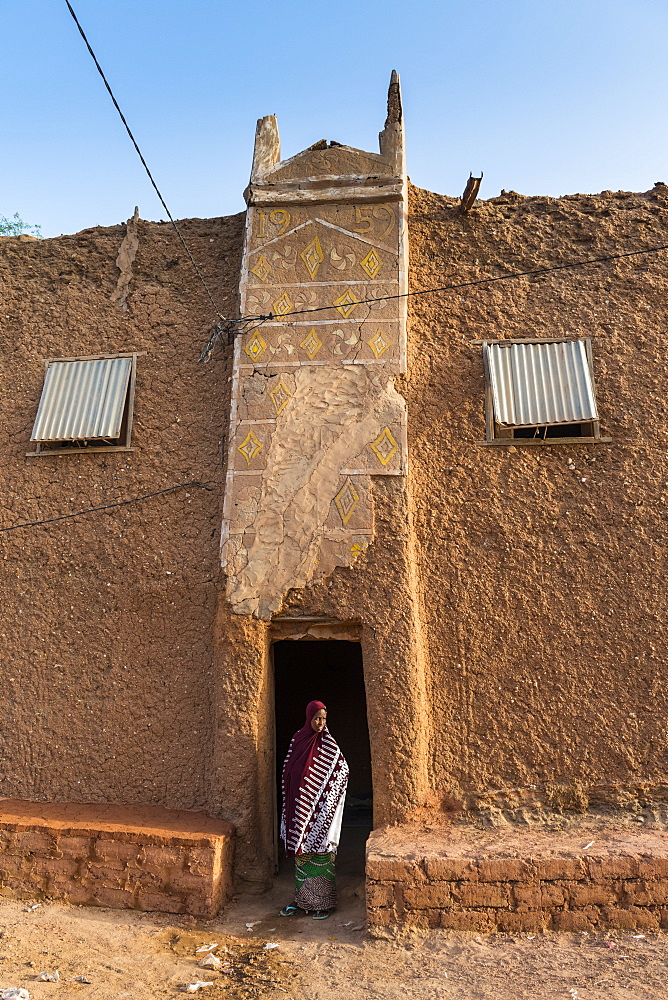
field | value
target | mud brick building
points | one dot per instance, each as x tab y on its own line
443	514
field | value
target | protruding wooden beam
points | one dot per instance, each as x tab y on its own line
470	193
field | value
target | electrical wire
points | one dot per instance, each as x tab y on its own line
145	165
459	284
217	333
107	506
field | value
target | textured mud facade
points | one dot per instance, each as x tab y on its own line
106	620
547	619
510	602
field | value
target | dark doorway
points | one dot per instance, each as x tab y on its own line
329	670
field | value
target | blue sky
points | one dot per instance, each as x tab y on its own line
545	97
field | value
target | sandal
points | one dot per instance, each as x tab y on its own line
289	911
321	914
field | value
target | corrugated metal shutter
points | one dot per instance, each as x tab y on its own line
82	400
538	384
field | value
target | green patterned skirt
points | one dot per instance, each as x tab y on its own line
315	881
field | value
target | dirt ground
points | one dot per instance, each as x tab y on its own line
128	955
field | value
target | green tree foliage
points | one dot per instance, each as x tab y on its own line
16	227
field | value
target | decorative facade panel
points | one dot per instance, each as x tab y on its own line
315	414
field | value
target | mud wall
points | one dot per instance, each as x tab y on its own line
544	566
106	620
540	572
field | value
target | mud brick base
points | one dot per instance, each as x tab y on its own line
516	881
118	856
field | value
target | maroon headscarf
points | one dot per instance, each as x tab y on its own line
303	748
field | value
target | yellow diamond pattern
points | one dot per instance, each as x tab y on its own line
313	256
311	343
346	500
371	264
262	269
249	447
384	446
282	305
280	397
358	547
346	303
379	343
255	347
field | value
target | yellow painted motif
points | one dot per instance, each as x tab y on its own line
262	269
371	264
249	447
255	347
384	447
346	303
346	500
280	397
379	343
313	256
359	547
282	305
311	343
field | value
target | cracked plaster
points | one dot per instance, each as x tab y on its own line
124	262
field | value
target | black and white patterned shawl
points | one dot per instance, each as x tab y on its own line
316	819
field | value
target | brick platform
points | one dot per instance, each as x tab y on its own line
119	856
512	881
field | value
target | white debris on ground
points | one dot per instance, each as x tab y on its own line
49	977
211	962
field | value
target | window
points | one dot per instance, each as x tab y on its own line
540	390
86	405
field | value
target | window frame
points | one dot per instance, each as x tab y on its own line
492	435
55	448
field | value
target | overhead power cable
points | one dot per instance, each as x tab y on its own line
218	329
106	506
459	284
145	165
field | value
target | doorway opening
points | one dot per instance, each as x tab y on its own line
331	671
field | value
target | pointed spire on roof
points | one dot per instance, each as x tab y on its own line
394	112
